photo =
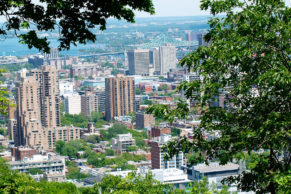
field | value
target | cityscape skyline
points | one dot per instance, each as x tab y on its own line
159	96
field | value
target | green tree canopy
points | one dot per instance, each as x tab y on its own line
133	183
165	87
4	102
74	173
71	148
2	131
109	152
203	187
248	64
35	171
95	159
75	21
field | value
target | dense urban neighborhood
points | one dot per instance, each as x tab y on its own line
156	106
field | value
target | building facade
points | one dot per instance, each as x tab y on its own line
38	110
122	142
157	154
54	54
66	133
155	60
19	153
28	111
138	62
119	96
144	120
49	95
12	122
168	59
89	103
73	104
159	131
84	70
66	87
49	163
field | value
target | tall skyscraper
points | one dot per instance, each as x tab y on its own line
49	95
168	59
28	111
191	36
138	62
38	110
119	96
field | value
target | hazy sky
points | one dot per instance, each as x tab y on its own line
175	8
179	8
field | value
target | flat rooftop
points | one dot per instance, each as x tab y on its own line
215	167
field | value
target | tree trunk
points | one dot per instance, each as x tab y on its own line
271	186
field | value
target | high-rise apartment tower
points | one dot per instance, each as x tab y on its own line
38	110
119	96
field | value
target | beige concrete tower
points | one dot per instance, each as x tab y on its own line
119	96
12	122
38	108
28	110
49	95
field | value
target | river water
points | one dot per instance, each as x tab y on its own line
12	47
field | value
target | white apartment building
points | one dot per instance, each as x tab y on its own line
73	104
121	142
66	87
49	164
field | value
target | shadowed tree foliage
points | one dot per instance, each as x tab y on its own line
247	63
15	182
4	102
74	20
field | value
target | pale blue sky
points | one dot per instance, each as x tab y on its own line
175	8
179	8
172	8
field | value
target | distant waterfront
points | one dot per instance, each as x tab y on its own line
115	30
11	46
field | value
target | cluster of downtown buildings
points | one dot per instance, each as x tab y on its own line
35	122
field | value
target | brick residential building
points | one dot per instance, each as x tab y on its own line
157	154
119	96
158	131
144	120
20	152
